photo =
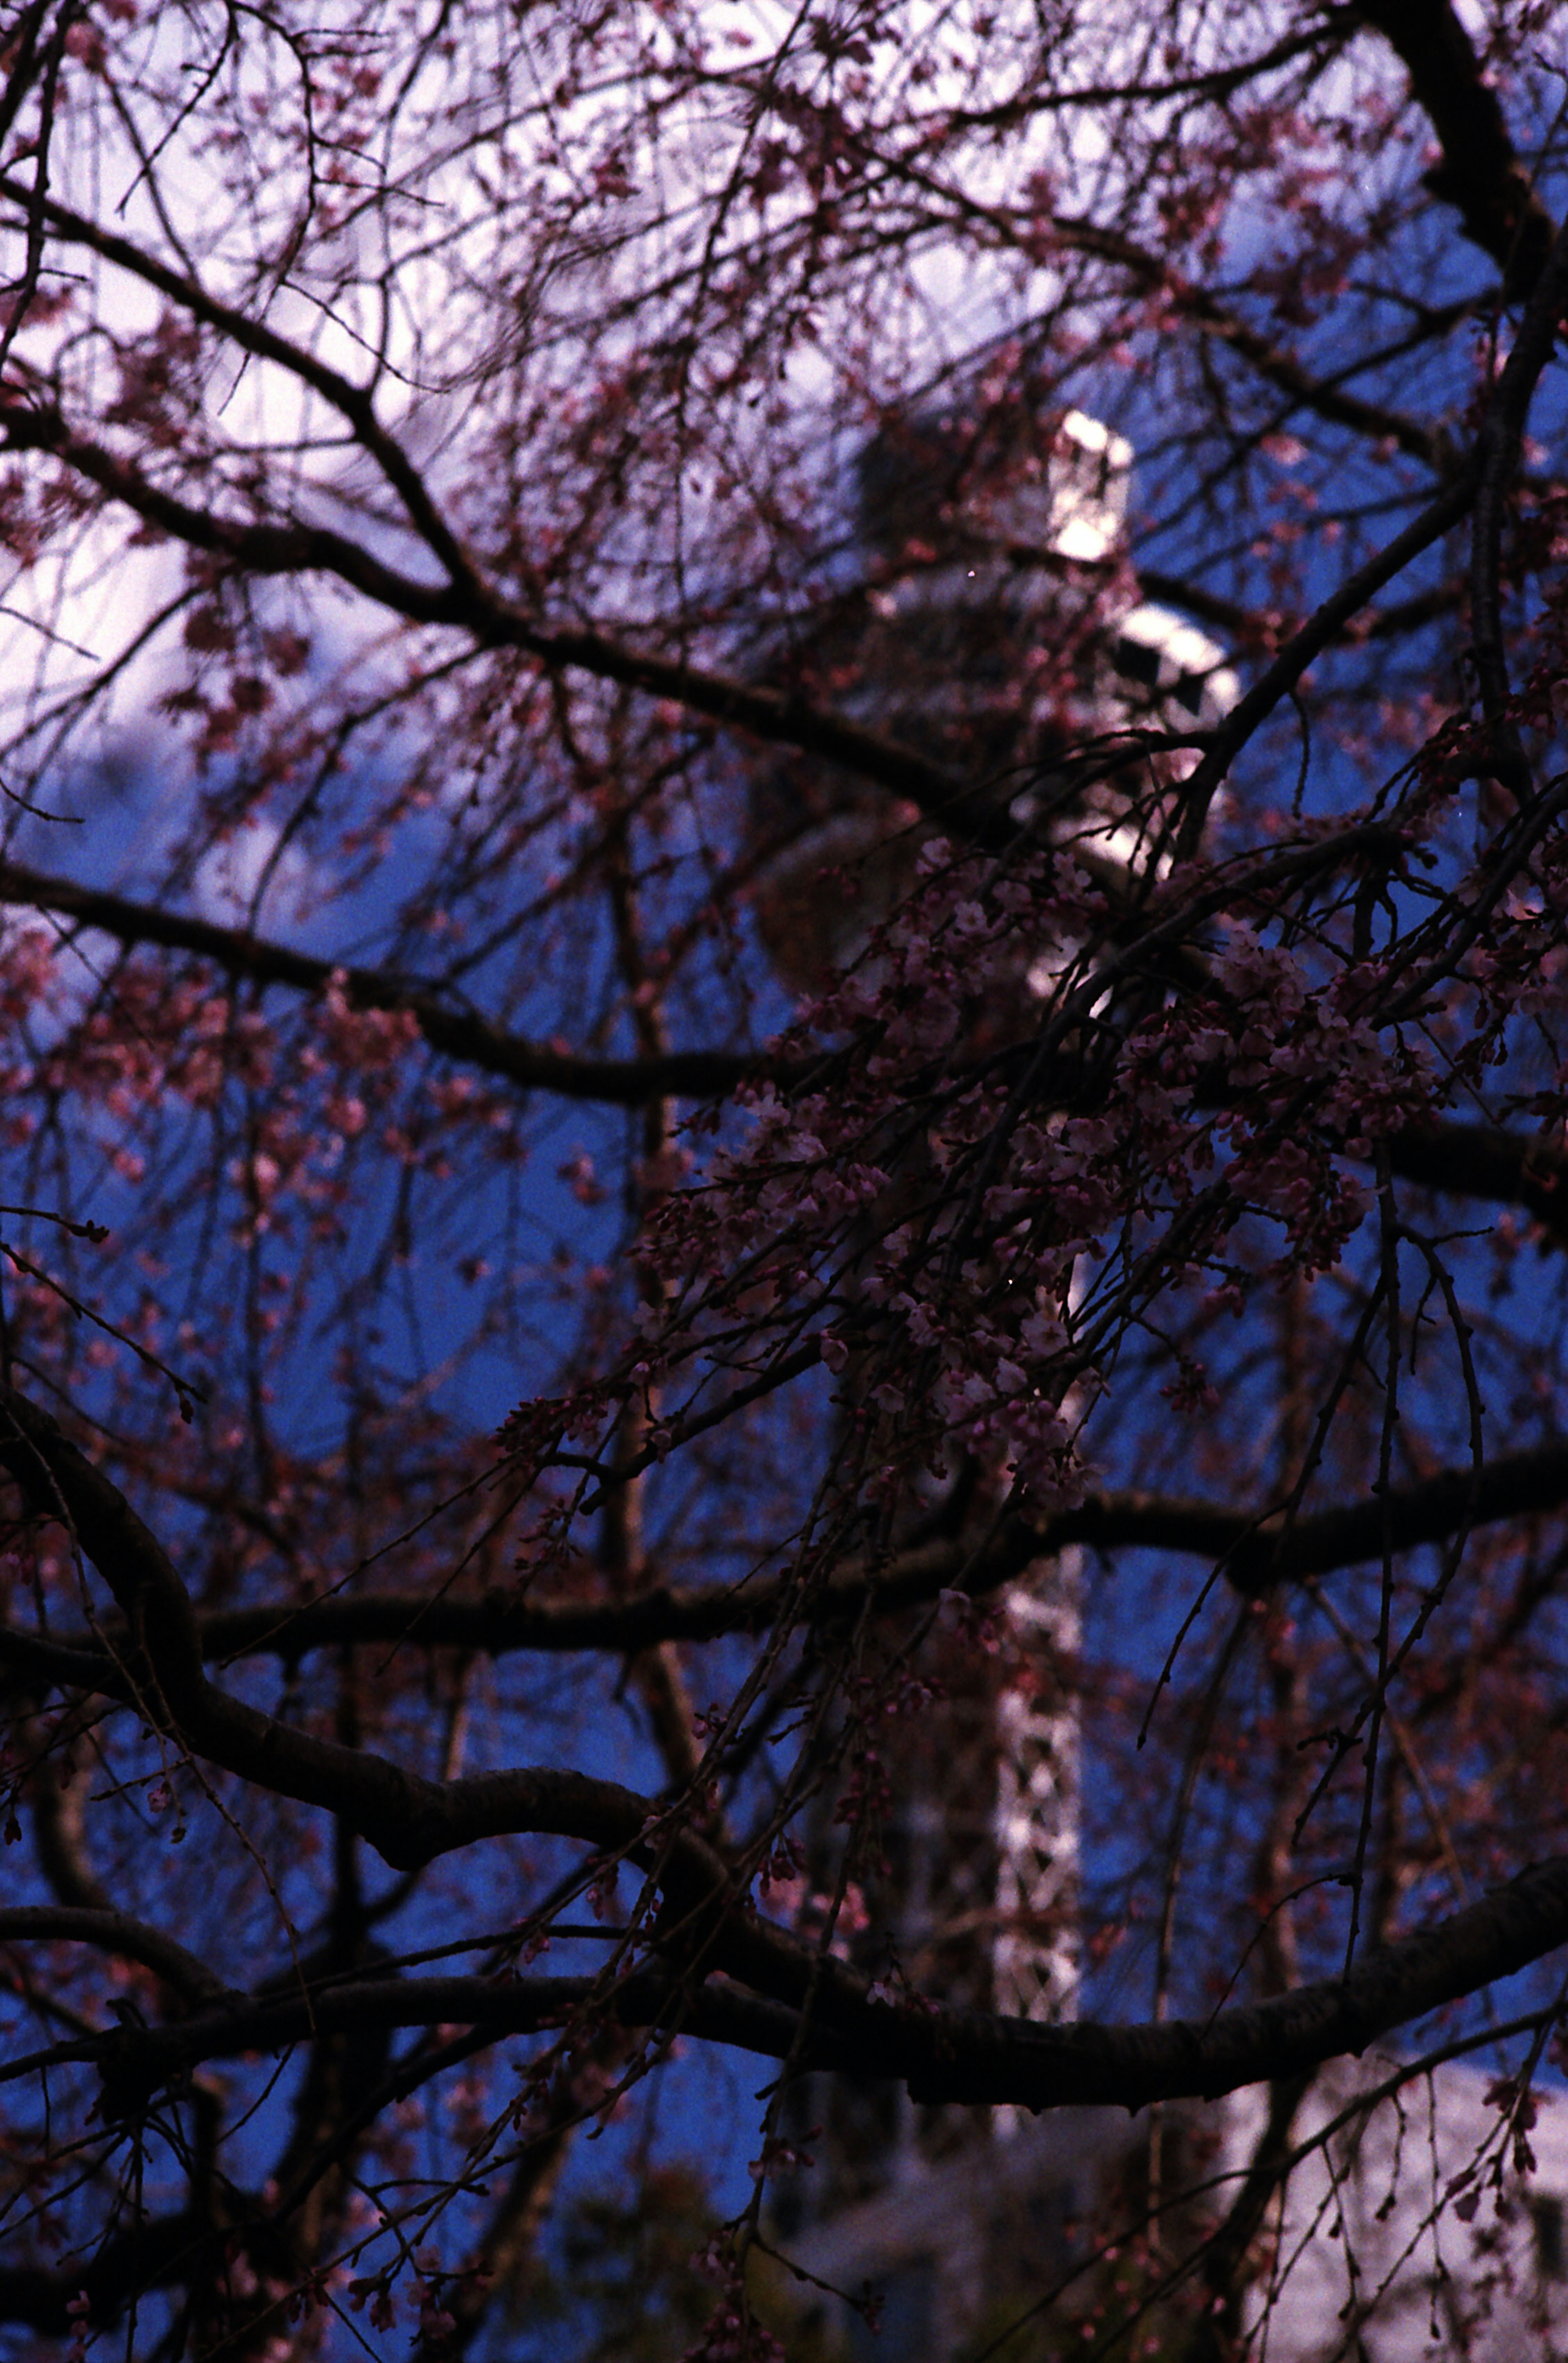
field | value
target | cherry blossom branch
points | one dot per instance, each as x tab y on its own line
408	1819
1480	172
1047	2067
115	1932
21	68
1327	398
1256	1551
137	2061
1217	82
777	716
940	2054
155	2253
353	402
1460	104
459	1034
1469	1160
294	548
769	715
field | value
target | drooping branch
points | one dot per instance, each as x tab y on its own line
294	548
1480	173
1327	397
1469	1160
1280	679
354	403
410	1820
1257	1552
466	602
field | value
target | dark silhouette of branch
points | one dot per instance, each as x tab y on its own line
1502	437
113	1932
942	2053
159	2253
1474	1160
1327	398
1257	1551
1244	627
455	1033
295	549
1470	1160
410	1820
465	602
1480	173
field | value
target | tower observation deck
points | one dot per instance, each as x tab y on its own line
996	626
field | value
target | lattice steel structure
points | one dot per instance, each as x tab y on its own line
1036	1961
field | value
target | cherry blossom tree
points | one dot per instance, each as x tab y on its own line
615	1119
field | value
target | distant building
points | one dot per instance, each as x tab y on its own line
940	2247
1409	2237
1412	2234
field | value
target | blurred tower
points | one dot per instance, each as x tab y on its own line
1036	1963
997	627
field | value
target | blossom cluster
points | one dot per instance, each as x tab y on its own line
1003	1131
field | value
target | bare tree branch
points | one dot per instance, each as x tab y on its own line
455	1033
1257	1550
1480	172
941	2054
113	1932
